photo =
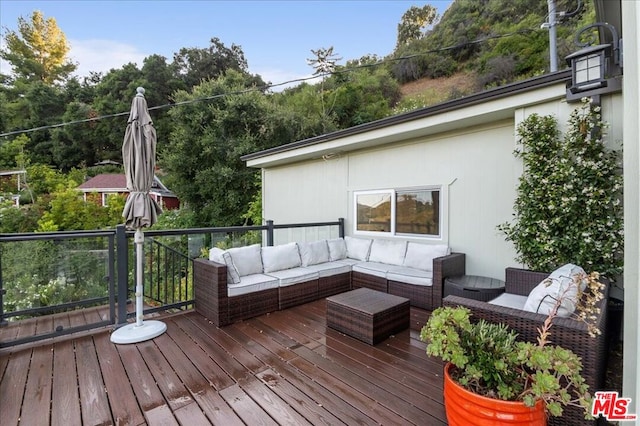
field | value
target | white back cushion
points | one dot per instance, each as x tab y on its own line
560	284
247	259
314	252
337	249
420	256
388	251
358	248
277	258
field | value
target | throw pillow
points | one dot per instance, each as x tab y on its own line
220	256
562	284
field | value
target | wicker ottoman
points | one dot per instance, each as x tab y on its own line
367	315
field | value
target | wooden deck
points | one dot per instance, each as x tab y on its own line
286	367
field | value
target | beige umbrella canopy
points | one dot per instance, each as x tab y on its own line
140	210
139	158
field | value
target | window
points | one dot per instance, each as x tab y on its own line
403	211
106	196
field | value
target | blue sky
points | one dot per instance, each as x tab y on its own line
276	36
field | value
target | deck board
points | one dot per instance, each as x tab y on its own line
13	385
124	407
39	386
286	367
65	401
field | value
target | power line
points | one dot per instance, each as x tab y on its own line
269	86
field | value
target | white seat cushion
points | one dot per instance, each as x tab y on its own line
410	276
559	284
287	277
372	268
420	256
330	269
252	283
277	258
510	300
350	262
314	252
337	249
388	251
358	248
247	260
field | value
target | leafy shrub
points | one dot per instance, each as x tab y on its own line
568	207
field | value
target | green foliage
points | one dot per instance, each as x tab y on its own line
38	50
204	149
57	272
23	219
362	96
499	39
568	207
414	22
182	218
490	362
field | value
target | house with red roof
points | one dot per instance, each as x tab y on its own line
100	187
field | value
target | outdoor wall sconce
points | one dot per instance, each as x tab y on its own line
595	69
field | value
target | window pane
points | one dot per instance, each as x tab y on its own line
418	212
373	212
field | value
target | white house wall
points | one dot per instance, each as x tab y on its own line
475	166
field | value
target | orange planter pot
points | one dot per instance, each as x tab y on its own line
467	408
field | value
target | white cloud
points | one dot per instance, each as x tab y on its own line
102	55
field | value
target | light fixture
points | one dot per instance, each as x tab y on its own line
594	69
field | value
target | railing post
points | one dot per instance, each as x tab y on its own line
341	227
2	291
269	232
122	259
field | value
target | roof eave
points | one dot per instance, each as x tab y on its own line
257	159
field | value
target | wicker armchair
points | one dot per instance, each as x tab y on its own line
566	332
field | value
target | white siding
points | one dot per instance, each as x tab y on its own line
631	90
474	165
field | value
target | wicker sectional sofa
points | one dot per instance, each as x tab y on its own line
244	282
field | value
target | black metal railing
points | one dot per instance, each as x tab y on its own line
50	273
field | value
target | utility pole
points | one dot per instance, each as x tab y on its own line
551	25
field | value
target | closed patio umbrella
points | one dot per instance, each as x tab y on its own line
140	210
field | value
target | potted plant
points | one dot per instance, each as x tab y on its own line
487	361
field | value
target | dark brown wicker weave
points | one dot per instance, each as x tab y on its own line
298	294
430	297
335	284
213	302
367	315
362	280
566	332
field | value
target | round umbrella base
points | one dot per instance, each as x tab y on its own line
132	333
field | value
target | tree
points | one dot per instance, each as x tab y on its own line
38	50
194	66
413	23
202	157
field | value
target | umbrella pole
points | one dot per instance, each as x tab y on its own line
138	239
141	330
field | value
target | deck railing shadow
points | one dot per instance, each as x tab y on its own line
51	279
